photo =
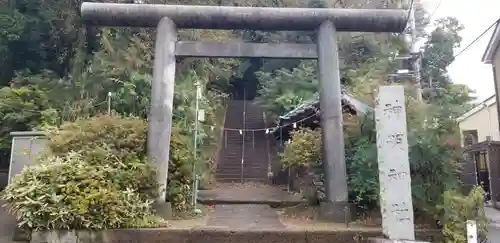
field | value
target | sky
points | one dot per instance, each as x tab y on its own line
476	16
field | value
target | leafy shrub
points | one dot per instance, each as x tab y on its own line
121	141
179	170
362	169
125	136
434	169
135	173
113	141
304	148
96	175
16	111
67	193
457	209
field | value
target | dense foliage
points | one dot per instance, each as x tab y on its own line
434	167
458	209
284	89
112	151
304	148
68	193
109	141
95	175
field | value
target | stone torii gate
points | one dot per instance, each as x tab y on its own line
327	21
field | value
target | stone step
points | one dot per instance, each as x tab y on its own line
248	165
255	144
259	176
246	170
249	193
238	180
249	138
258	150
247	159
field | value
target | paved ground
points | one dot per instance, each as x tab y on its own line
493	234
245	216
7	225
250	211
493	216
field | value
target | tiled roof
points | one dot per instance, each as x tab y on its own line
348	99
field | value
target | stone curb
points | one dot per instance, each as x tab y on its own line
205	235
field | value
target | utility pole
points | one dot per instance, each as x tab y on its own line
410	62
415	50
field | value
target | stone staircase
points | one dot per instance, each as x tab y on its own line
245	155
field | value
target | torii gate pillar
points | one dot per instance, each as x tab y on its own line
327	21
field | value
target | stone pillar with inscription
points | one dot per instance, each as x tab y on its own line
393	164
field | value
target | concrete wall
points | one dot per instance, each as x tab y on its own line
485	121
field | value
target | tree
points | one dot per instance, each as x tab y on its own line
23	109
284	89
438	52
450	100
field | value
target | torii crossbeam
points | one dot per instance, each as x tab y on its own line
327	21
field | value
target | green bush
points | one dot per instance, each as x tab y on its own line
457	209
362	169
96	175
114	141
179	170
125	136
122	141
66	193
304	148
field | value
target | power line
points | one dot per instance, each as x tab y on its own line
477	38
435	10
